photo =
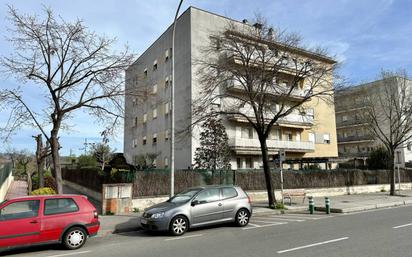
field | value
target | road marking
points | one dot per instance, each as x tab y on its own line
402	226
254	225
183	237
311	245
281	219
67	254
267	225
266	221
305	217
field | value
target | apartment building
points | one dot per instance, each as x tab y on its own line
354	139
306	138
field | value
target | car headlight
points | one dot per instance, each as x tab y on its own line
158	215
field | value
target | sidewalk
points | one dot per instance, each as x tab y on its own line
17	188
339	204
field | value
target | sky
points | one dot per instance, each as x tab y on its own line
365	36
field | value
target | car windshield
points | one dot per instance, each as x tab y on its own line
184	196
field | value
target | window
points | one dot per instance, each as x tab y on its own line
167	108
154	91
145	72
135	122
166	82
134	142
239	163
228	192
326	138
208	195
20	210
288	136
166	162
155	65
145	118
144	140
344	118
409	147
167	135
166	55
298	136
247	132
154	113
249	163
59	206
154	140
312	137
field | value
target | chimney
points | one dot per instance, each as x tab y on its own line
245	21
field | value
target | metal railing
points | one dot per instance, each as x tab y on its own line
254	143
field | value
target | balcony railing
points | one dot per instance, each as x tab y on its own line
350	122
245	143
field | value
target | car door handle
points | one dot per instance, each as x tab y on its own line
33	222
220	204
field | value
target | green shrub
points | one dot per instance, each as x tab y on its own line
86	161
44	191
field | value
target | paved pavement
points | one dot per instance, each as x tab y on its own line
378	233
17	188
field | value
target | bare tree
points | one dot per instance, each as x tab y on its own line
260	75
23	161
73	69
102	153
388	113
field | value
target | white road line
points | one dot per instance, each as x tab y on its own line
281	219
254	225
267	225
311	245
402	226
266	221
183	237
305	217
67	254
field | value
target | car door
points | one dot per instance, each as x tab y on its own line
229	200
207	207
19	223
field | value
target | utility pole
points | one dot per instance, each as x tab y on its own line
172	116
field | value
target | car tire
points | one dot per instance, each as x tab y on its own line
178	225
74	238
242	217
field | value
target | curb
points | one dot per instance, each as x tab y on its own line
365	207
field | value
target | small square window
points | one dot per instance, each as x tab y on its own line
167	55
167	108
326	138
154	91
154	113
155	65
166	135
166	162
145	73
144	141
409	147
135	122
154	138
144	118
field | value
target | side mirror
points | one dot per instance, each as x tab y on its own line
194	202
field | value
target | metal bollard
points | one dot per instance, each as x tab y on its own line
327	205
311	205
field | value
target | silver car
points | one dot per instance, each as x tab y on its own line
197	207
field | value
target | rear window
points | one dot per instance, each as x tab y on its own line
229	192
59	206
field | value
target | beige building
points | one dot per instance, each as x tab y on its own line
307	138
354	140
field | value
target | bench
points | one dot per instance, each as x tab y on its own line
294	193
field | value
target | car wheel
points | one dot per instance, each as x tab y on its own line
74	238
242	217
178	225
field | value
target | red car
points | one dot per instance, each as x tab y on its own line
32	220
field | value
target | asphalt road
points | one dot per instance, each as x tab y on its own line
378	233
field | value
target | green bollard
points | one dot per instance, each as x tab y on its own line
327	205
311	205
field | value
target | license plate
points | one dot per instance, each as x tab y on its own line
143	221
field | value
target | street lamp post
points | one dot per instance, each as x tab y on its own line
172	105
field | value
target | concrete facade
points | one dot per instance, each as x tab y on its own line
304	137
354	139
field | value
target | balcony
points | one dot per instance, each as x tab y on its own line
350	123
246	145
354	139
292	120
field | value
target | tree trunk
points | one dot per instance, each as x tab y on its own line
40	160
392	172
54	145
266	170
